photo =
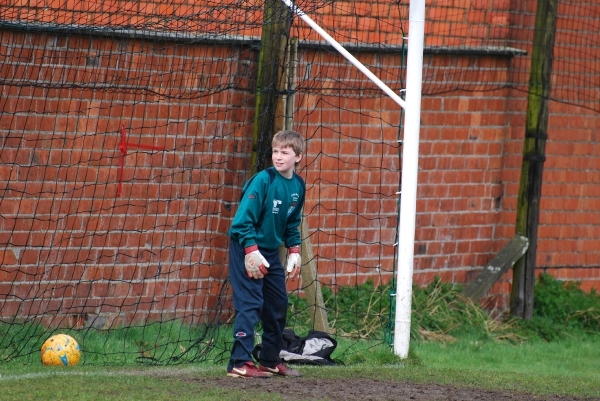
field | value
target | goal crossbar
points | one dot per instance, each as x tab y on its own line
345	53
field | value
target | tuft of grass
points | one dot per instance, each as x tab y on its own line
440	312
353	311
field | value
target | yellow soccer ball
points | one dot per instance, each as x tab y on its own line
60	350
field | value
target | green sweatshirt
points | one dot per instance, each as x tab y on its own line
269	212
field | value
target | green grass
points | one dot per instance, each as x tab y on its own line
453	342
566	368
93	383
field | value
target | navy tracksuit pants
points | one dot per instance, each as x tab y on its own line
257	299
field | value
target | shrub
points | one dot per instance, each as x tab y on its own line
562	309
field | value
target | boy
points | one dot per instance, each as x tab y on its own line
268	215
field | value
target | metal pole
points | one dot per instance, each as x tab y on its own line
410	165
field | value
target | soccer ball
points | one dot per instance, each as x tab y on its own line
60	350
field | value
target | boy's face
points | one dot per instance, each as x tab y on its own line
285	159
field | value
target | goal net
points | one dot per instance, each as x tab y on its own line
128	130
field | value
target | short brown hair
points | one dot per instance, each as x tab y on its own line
291	139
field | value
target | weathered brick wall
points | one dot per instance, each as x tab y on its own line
568	237
568	240
69	243
460	187
74	250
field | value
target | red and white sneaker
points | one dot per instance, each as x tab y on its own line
280	370
248	369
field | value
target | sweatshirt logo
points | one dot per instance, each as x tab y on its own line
293	204
291	209
276	203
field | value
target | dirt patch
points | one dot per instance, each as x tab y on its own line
294	389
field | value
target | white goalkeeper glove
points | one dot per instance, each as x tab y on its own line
256	264
293	261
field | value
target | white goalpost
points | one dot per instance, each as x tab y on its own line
410	166
410	158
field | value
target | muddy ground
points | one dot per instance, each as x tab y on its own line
295	389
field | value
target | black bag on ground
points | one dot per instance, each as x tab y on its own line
314	349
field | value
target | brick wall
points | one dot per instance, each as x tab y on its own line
75	250
71	249
71	246
567	238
